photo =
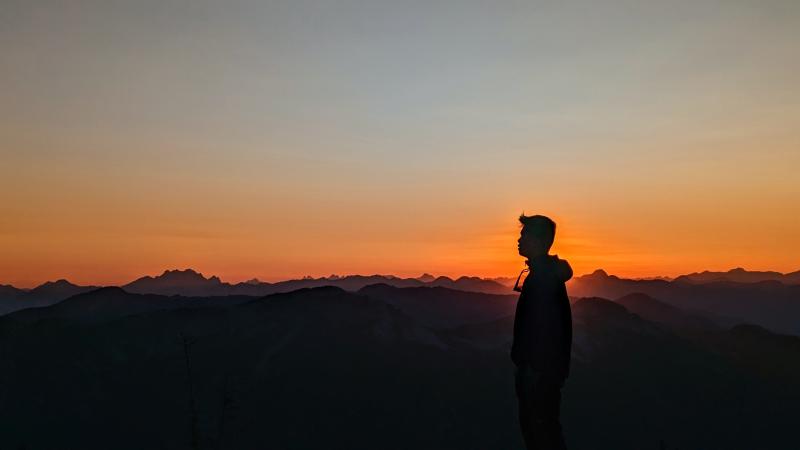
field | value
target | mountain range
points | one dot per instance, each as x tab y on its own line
13	299
191	283
768	299
767	303
740	275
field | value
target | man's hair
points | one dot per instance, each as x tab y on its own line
540	226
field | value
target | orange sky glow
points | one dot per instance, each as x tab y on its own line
271	140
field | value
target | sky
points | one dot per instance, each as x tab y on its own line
277	139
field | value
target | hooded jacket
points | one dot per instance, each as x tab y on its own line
543	319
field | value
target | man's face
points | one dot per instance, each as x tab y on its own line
529	245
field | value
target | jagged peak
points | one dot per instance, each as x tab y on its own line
181	272
57	283
599	273
188	274
469	278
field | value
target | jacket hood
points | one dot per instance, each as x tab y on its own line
562	268
559	266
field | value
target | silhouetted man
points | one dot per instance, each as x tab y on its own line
542	335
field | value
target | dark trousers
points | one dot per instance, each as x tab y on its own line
539	397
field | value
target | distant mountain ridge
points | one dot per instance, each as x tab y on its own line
657	311
13	299
191	283
768	299
769	303
740	275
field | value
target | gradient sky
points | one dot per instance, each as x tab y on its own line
278	139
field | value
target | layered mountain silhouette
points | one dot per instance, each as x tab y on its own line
189	282
740	275
439	307
426	278
767	299
657	311
186	282
13	299
770	304
388	367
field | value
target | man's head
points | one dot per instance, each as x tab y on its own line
536	236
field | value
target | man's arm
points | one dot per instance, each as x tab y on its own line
549	323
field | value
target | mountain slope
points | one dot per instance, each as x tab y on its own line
440	307
657	311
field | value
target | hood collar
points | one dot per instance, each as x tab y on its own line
561	267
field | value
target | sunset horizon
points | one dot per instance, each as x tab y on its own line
267	278
264	140
399	225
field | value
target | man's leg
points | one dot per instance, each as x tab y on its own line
539	398
524	383
547	412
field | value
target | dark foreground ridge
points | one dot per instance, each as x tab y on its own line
384	367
